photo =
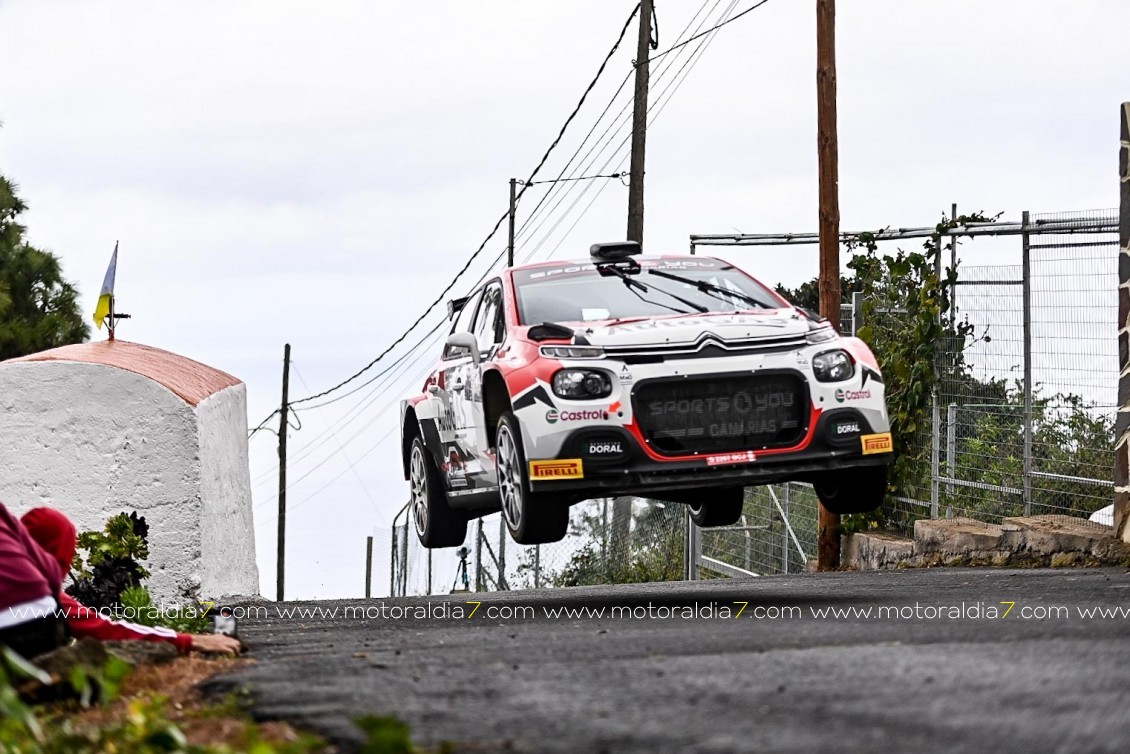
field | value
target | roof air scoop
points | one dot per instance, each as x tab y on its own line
614	252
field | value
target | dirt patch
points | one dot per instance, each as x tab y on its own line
203	721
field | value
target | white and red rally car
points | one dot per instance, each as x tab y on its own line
678	378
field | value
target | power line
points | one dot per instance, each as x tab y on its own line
505	215
703	34
578	178
658	106
375	377
360	481
607	141
565	191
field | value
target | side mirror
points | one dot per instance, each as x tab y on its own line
462	341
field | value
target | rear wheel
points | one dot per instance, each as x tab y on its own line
858	490
722	507
531	518
437	525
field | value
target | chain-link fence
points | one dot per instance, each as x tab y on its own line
1022	423
1023	415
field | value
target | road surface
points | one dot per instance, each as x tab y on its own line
936	671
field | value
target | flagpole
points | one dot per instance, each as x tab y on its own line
111	320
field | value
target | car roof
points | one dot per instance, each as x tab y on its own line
642	258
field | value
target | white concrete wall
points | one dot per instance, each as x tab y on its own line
227	529
94	441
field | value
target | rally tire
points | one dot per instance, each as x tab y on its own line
858	490
437	525
532	519
720	507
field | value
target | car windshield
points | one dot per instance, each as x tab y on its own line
579	293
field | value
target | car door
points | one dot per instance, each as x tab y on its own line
489	330
449	397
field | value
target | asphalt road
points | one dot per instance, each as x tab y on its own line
801	682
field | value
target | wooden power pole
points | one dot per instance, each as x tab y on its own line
281	566
513	209
639	125
828	544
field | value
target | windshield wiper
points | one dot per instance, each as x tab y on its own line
710	289
635	285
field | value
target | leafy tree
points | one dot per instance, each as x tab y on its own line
38	308
807	295
654	553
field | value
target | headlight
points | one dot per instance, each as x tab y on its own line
822	335
572	352
833	366
582	384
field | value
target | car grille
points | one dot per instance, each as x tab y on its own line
722	413
705	348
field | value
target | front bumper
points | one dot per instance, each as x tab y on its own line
621	465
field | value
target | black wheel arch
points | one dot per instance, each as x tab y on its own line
496	402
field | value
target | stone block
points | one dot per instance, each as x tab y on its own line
1048	535
873	551
957	536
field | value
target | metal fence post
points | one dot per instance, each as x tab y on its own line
1027	283
604	535
785	530
690	572
404	563
951	447
393	563
501	552
368	567
537	566
856	312
935	412
478	555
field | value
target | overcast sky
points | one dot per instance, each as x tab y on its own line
315	173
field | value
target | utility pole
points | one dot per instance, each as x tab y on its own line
639	124
828	544
281	566
513	208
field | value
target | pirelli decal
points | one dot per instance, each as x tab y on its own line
880	443
570	468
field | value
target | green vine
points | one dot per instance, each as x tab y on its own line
909	327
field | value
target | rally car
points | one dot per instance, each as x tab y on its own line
679	378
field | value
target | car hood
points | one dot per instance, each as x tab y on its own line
782	323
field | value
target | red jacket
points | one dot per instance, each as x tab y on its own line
27	573
55	532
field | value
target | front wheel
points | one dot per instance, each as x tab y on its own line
718	507
858	490
531	518
437	525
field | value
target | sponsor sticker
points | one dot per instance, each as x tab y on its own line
605	447
626	377
847	428
570	468
852	395
880	443
746	456
552	416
